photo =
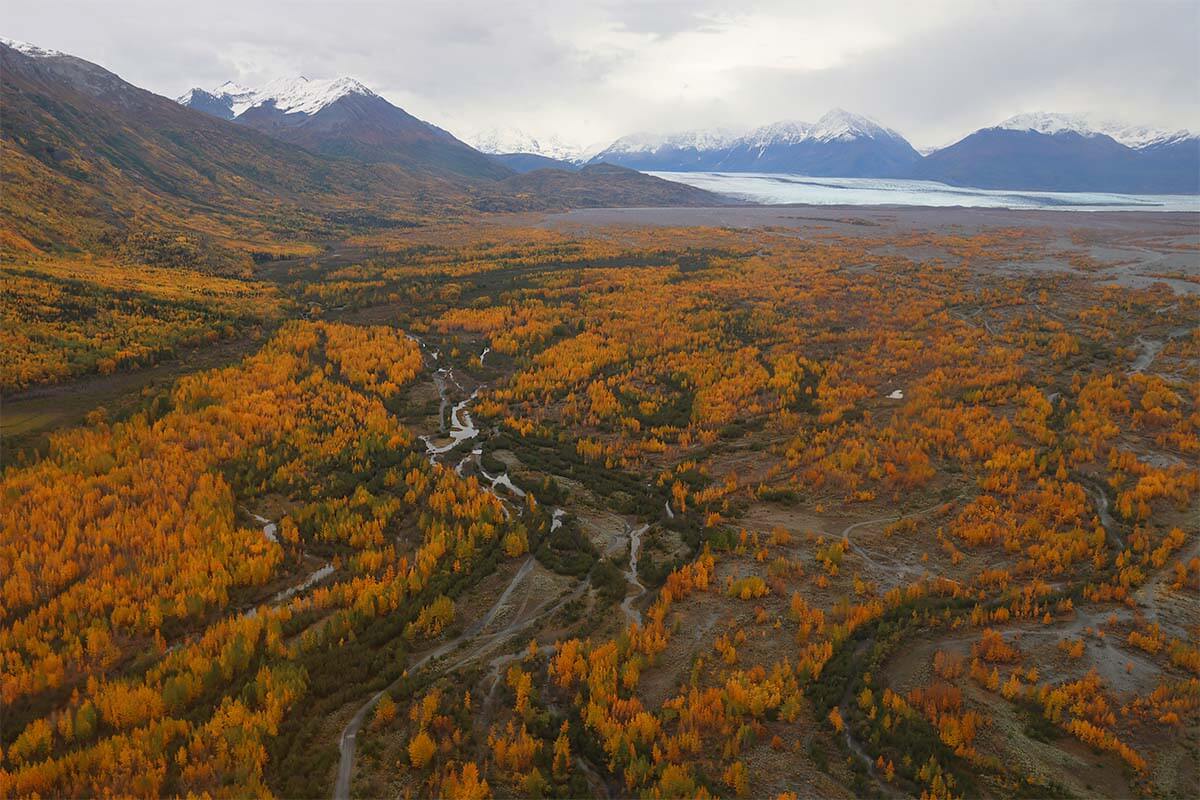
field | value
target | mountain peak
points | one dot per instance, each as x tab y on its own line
783	132
299	95
31	50
231	87
840	125
1052	123
701	140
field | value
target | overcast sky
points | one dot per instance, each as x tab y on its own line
590	71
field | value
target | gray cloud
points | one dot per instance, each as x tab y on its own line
934	69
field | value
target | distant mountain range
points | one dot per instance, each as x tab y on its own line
839	144
343	120
1051	152
502	141
1043	151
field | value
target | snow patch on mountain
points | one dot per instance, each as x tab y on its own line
701	140
785	132
290	95
1087	124
31	50
499	141
839	125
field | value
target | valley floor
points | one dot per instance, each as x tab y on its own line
787	502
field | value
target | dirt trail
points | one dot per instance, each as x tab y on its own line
853	744
1146	594
1095	490
348	743
894	566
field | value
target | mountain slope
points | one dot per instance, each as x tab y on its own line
89	160
528	162
343	118
1174	163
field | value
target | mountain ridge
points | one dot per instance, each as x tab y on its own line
343	118
840	143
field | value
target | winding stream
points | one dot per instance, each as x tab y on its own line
313	578
269	530
631	575
500	480
462	429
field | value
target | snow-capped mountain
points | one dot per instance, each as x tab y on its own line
1048	151
1070	153
1086	124
504	141
683	151
701	141
786	132
839	125
342	117
839	143
31	50
299	95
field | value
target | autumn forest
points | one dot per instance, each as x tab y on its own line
522	510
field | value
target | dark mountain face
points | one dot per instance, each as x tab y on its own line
996	158
528	162
859	158
666	158
1175	166
209	103
853	158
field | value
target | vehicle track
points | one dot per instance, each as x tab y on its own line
348	743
